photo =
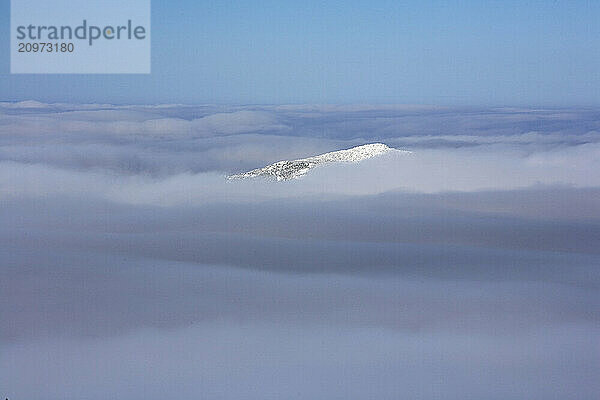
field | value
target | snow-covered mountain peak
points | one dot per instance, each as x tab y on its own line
293	169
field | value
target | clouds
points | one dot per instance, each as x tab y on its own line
155	364
130	267
423	171
173	139
93	323
118	122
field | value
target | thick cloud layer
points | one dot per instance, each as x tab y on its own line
130	267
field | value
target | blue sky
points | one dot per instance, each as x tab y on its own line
450	53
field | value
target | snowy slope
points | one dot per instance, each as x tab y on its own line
293	169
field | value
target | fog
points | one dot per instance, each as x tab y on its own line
131	267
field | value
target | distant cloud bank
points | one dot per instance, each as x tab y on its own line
130	267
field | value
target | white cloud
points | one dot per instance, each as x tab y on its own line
130	267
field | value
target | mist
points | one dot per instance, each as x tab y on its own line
131	267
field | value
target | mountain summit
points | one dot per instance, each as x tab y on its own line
293	169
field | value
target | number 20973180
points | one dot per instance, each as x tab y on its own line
45	47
